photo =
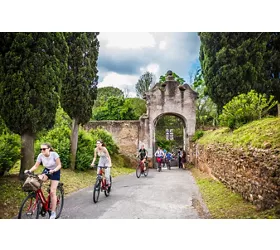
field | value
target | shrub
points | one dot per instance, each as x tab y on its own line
198	134
106	137
245	108
85	151
58	137
9	151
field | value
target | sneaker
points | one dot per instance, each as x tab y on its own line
53	215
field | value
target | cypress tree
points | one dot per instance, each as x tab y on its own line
79	90
236	62
32	66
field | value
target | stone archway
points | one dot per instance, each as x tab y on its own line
169	98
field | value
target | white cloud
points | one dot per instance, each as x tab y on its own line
135	40
123	82
152	67
162	45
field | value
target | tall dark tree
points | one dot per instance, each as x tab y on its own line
236	62
79	89
145	82
32	67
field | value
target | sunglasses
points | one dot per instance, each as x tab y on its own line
43	149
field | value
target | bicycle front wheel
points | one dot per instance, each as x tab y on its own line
96	191
146	171
107	192
60	200
30	208
138	171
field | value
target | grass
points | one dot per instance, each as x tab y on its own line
11	194
257	134
222	203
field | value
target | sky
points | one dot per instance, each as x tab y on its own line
124	57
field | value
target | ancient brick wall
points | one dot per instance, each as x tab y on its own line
124	133
253	172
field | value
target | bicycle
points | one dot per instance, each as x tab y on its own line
36	204
168	164
159	162
100	184
140	169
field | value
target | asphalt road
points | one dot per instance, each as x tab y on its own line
170	194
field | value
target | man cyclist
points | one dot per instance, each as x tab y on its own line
168	159
159	154
143	154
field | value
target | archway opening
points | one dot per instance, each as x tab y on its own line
170	134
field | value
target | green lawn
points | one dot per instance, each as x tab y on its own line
225	204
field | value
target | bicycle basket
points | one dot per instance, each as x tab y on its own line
32	183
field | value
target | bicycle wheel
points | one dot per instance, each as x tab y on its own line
30	208
107	192
146	171
60	200
138	171
96	191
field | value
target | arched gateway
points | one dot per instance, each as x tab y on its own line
168	98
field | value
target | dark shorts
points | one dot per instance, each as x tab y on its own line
54	177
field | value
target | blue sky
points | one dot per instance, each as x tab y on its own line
124	57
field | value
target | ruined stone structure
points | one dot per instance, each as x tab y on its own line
168	98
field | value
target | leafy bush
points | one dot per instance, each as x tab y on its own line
85	151
106	137
9	151
58	137
245	108
198	134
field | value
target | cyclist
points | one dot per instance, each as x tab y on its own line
51	161
143	154
159	154
104	160
168	158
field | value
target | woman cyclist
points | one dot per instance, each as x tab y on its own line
51	161
104	160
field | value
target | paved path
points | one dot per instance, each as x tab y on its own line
170	194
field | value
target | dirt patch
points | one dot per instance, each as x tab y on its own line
200	210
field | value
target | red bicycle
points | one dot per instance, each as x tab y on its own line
100	185
35	204
140	169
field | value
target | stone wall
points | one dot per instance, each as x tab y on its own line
254	173
124	133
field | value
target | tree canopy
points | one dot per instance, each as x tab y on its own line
236	62
145	82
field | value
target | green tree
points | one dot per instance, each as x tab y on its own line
176	78
79	89
245	108
145	82
119	108
104	93
206	109
32	68
237	62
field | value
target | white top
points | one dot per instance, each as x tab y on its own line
48	162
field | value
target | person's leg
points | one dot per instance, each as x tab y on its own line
54	184
107	175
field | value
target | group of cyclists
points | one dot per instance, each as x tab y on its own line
162	156
52	165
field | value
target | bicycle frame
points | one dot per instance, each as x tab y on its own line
45	202
101	176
